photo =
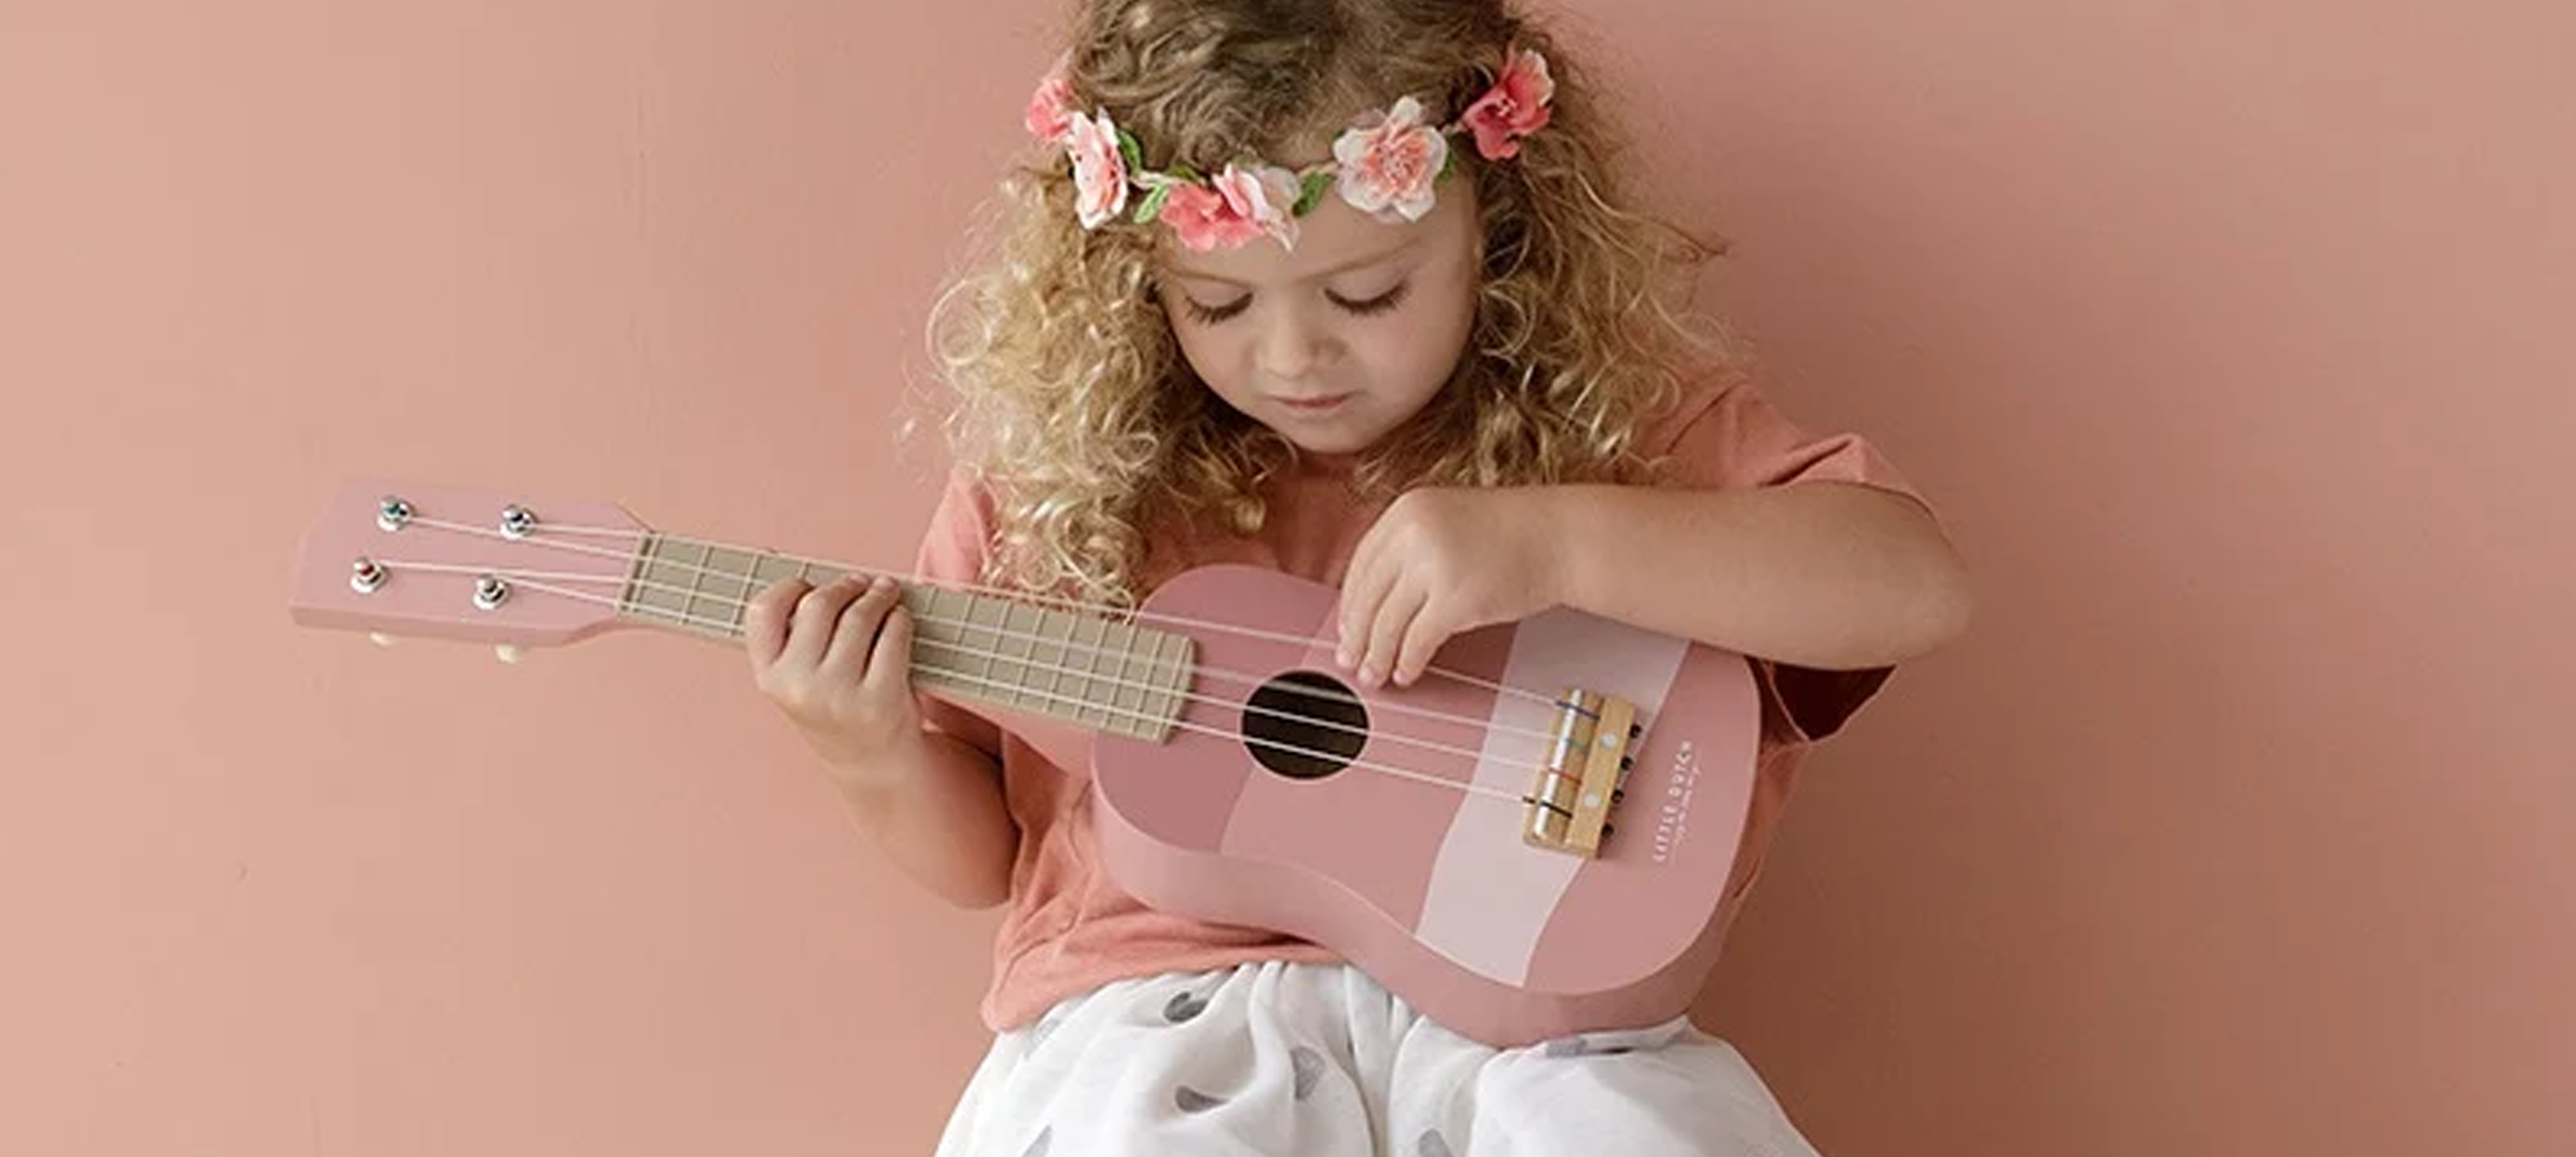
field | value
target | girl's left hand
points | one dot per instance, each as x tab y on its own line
1441	561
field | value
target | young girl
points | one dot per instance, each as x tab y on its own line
1350	289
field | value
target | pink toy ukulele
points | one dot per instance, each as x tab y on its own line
1455	839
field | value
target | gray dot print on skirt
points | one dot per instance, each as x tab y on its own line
1038	1147
1193	1101
1432	1144
1183	1006
1308	1065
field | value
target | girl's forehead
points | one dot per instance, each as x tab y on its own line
1333	239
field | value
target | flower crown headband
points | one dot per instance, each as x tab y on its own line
1385	164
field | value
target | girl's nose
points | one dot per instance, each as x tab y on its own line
1290	346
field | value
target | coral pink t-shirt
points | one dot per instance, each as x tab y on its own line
1069	929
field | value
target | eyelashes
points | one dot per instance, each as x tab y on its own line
1213	314
1375	305
1210	315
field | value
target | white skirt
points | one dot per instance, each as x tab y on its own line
1278	1058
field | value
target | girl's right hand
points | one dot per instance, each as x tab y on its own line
837	660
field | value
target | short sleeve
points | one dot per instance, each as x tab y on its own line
952	551
1729	436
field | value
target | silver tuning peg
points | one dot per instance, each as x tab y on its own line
507	653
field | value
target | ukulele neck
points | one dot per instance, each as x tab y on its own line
1080	667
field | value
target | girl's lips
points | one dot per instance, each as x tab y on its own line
1315	405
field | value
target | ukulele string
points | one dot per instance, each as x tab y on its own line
541	581
698	571
534	582
708	546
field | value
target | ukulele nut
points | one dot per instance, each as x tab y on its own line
517	521
393	513
490	592
366	576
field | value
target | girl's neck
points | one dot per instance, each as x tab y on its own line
1311	464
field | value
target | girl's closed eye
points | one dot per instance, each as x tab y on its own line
1206	314
1372	305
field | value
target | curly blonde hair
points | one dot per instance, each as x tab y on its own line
1070	396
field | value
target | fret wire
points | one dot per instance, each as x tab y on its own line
660	570
1055	665
750	582
697	579
1030	659
1028	645
975	611
970	612
1161	643
1090	663
1147	688
954	620
1003	634
630	600
1126	677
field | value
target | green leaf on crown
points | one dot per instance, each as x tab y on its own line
1310	191
1153	204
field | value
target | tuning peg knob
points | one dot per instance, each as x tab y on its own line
380	638
507	653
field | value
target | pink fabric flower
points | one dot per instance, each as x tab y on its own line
1051	106
1234	207
1099	172
1262	195
1390	161
1202	219
1515	107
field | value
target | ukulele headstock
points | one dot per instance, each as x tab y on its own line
438	562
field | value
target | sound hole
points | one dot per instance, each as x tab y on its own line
1305	726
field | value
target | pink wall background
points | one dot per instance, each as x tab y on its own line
2234	339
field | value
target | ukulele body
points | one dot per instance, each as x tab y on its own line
1331	831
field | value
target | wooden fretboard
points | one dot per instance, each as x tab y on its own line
1080	667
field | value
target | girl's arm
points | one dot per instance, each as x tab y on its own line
835	660
937	811
1821	574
